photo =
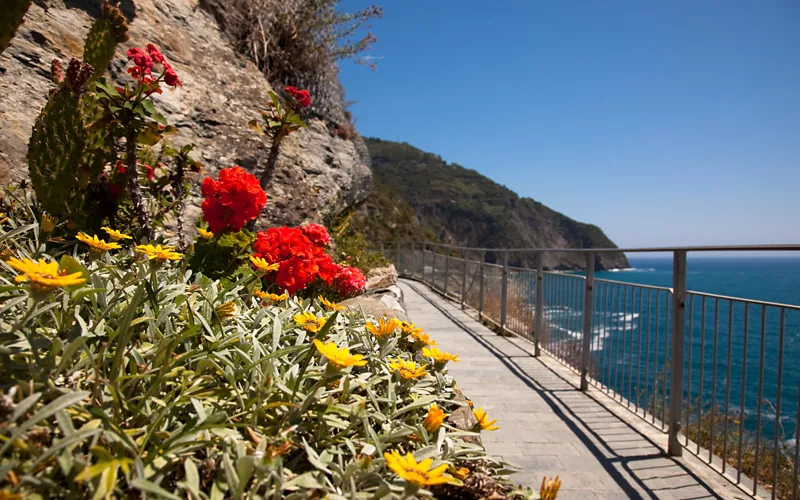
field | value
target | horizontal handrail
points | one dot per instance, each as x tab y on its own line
710	248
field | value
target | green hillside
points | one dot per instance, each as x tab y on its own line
417	196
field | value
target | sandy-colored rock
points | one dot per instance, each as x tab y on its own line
316	174
381	277
375	307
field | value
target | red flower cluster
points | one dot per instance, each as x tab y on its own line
303	97
303	260
350	281
143	66
316	233
232	201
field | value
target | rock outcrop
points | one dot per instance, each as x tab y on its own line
316	174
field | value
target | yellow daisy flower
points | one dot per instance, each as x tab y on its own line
410	328
331	306
434	418
483	420
439	356
96	244
309	321
3	218
339	357
407	369
205	234
44	276
115	235
549	489
262	266
458	472
226	310
48	223
272	297
384	328
158	253
422	338
420	473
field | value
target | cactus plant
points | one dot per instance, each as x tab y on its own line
13	12
68	148
56	150
101	41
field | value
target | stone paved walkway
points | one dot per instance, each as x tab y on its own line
547	426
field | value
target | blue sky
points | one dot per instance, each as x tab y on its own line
665	123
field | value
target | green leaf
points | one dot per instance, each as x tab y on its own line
152	488
125	331
44	413
255	126
71	266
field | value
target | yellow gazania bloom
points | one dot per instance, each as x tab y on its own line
159	253
205	234
410	328
262	266
407	369
226	310
3	218
273	297
483	420
309	321
439	356
339	357
96	244
458	472
418	473
331	306
47	224
116	235
384	328
44	276
549	489
422	338
434	418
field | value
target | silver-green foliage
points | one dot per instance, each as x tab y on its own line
134	382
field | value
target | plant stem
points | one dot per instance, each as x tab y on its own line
269	169
133	179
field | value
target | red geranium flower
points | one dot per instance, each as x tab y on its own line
303	97
350	281
232	201
141	59
316	233
149	171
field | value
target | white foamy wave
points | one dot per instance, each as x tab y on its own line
628	269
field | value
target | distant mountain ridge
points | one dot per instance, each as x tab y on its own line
418	196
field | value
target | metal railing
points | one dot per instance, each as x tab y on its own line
735	361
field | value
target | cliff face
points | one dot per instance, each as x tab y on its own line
462	207
316	174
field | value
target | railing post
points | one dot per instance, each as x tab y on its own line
446	272
433	268
539	312
588	314
480	299
504	295
678	331
424	250
463	280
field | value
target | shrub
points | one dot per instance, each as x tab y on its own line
299	42
152	379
